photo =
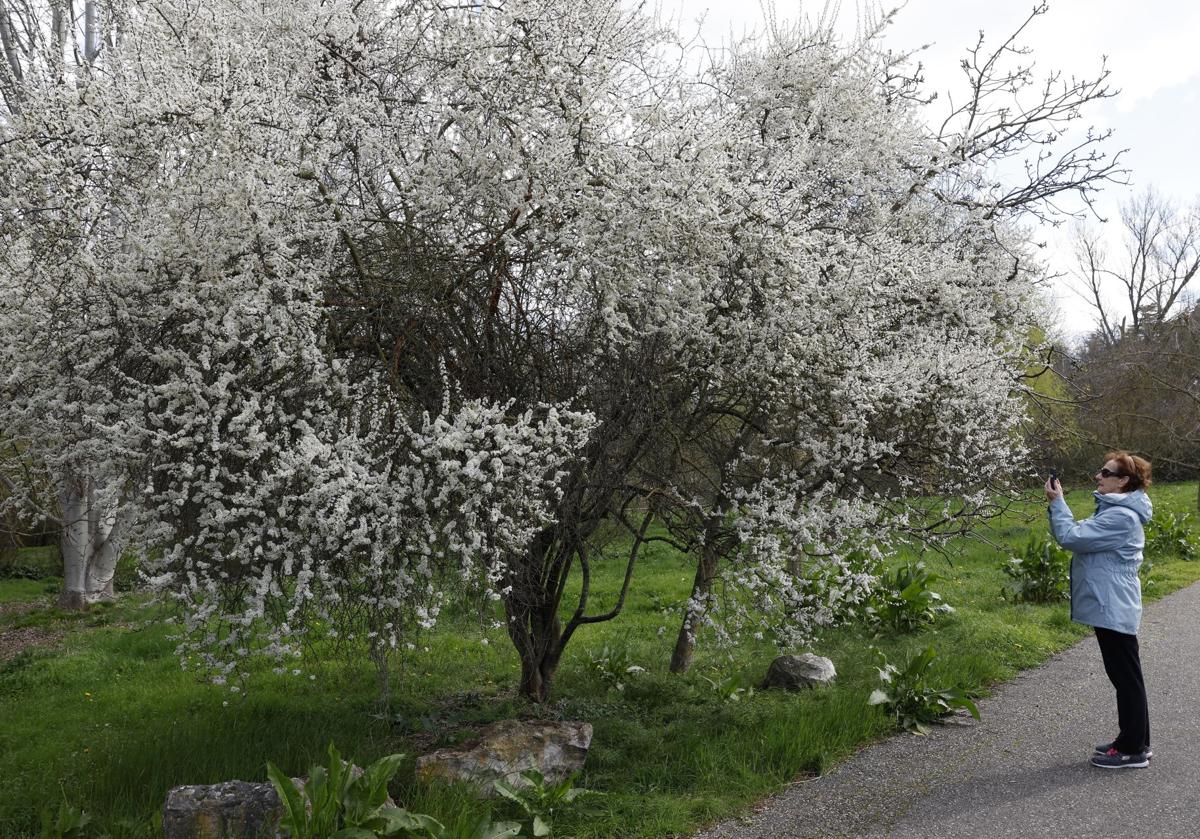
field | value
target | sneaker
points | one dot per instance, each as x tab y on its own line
1112	759
1105	748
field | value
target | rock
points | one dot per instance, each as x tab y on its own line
508	748
229	810
796	672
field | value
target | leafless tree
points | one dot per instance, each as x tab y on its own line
1140	287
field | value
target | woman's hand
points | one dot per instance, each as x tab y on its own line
1053	489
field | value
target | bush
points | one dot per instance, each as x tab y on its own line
68	823
613	664
1172	534
904	601
1040	574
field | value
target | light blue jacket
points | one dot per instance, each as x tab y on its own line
1105	589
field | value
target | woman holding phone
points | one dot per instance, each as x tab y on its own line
1106	593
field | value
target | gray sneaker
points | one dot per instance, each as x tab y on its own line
1105	748
1113	759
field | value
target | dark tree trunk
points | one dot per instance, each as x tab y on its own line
535	593
685	642
539	643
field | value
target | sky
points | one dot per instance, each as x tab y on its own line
1150	47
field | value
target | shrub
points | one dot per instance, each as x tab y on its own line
29	563
908	697
1040	574
1172	534
904	601
731	688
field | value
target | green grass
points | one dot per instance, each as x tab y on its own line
26	590
108	720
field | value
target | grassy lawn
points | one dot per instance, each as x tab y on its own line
104	716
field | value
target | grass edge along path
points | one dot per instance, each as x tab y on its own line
109	721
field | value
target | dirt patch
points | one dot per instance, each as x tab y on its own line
14	641
18	608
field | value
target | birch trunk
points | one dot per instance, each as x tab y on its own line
91	544
12	74
91	33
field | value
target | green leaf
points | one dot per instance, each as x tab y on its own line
510	792
878	697
396	819
540	827
295	818
367	793
354	833
964	702
535	778
500	830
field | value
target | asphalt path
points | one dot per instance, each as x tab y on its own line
1023	771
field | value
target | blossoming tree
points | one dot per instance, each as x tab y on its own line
346	306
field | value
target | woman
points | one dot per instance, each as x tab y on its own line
1107	595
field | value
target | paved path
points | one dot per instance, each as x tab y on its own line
1023	771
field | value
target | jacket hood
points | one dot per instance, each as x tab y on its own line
1138	501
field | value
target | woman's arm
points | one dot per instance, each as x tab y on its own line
1104	531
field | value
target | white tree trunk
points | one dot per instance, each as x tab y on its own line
90	544
91	33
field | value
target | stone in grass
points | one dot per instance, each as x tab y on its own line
797	672
229	810
508	748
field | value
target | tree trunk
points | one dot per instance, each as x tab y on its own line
12	74
685	642
91	32
537	676
537	635
90	545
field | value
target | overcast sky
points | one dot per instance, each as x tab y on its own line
1152	49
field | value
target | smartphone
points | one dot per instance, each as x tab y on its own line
1054	478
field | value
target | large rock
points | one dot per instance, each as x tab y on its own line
230	810
508	748
797	672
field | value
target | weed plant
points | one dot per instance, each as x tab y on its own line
1040	573
908	695
904	601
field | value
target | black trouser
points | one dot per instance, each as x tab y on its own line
1124	668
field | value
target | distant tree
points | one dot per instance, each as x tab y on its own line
1148	279
1135	377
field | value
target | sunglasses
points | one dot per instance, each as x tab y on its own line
1104	473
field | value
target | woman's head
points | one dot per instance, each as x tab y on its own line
1123	472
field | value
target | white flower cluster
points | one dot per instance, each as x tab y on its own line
354	304
166	344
